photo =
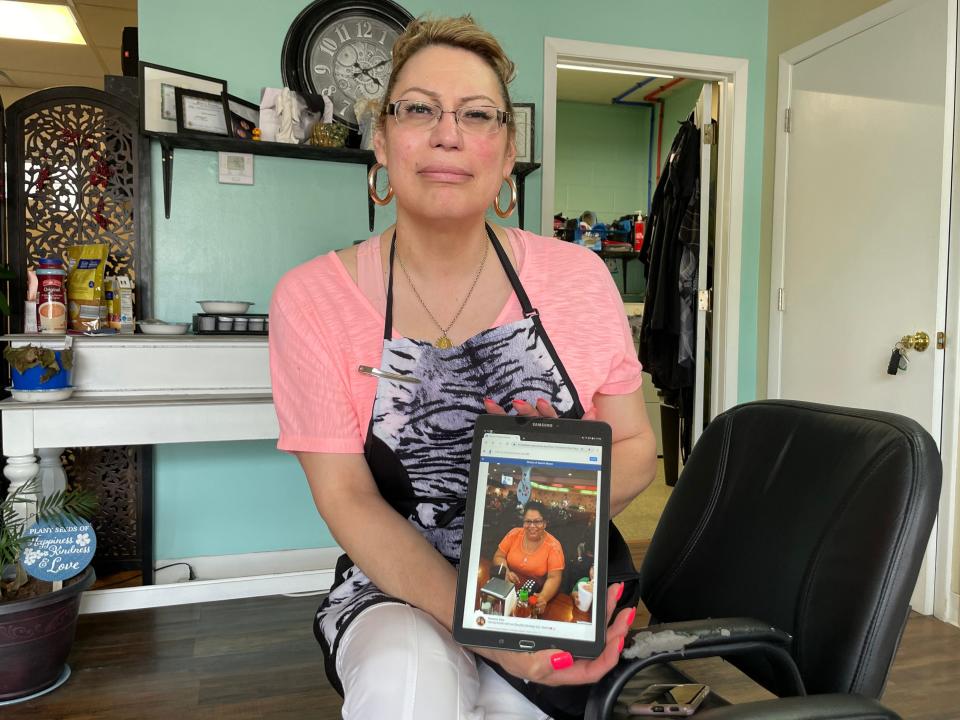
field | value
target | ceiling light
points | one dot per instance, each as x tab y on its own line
612	71
36	21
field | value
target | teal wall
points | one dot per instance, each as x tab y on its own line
235	241
602	153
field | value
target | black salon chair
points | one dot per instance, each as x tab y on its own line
798	531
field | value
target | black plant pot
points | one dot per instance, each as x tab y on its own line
36	635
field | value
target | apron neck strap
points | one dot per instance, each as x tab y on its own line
528	309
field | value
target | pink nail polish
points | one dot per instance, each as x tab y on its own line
489	401
561	660
519	403
631	616
620	649
620	591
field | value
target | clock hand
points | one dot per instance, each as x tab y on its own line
376	80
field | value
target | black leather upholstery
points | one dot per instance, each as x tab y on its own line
809	518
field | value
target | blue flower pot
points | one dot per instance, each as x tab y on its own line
30	379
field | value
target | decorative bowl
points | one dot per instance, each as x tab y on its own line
163	328
225	307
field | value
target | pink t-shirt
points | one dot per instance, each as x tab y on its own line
323	325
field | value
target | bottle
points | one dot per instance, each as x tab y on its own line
523	605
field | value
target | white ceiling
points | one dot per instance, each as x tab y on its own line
26	66
601	88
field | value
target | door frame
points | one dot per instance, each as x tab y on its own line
936	576
731	74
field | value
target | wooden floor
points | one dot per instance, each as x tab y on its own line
246	659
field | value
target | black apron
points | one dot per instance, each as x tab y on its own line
418	449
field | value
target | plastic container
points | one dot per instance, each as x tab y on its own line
51	296
229	324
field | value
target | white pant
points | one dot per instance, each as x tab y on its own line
397	662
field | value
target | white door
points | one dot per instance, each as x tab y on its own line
861	218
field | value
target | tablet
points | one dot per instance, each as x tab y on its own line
533	570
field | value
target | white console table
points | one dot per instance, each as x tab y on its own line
149	390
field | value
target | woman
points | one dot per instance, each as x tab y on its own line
387	459
531	553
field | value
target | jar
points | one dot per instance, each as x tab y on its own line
240	324
225	324
51	296
255	325
208	323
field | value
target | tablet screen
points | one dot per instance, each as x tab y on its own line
533	532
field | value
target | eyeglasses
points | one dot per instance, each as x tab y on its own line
475	119
533	522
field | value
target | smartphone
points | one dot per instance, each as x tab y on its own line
670	700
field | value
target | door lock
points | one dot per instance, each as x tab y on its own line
919	341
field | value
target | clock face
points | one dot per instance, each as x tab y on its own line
350	60
343	49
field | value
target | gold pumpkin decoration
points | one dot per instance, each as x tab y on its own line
329	135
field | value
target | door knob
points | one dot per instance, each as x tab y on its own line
919	341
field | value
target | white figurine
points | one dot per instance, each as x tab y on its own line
289	108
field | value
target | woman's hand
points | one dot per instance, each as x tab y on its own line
541	409
512	577
552	667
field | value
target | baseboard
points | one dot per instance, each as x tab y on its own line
149	596
219	567
223	577
952	614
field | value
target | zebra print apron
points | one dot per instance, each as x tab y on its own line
419	441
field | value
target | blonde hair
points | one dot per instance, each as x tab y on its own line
457	32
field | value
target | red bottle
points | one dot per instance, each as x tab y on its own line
637	235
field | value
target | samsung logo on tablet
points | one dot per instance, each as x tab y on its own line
541	424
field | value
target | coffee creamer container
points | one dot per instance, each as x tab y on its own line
51	296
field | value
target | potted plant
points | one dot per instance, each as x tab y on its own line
37	622
36	368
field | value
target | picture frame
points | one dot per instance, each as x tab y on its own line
244	117
200	113
158	84
524	117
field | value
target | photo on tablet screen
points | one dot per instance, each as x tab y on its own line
534	536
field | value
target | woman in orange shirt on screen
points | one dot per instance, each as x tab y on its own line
531	553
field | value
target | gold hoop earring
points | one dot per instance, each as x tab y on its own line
372	186
513	200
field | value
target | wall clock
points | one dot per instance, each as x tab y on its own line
343	49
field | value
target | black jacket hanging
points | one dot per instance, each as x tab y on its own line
669	304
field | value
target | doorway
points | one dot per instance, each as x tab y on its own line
650	76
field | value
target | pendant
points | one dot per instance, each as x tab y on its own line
443	342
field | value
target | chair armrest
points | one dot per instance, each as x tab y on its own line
713	632
809	707
662	643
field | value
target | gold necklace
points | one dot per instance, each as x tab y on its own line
523	546
443	342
